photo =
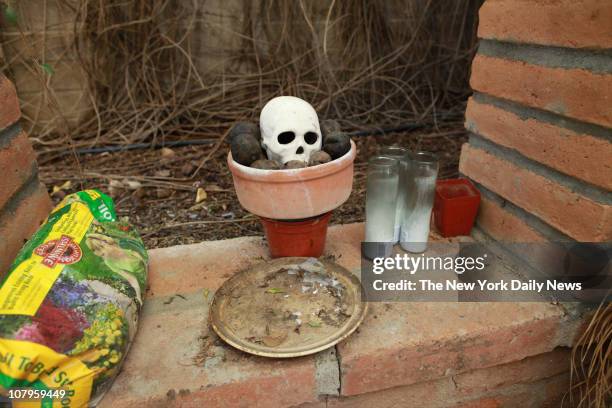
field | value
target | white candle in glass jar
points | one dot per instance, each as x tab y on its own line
401	155
381	201
418	201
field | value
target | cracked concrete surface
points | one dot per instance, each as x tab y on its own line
327	372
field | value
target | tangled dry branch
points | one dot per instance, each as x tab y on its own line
592	362
368	64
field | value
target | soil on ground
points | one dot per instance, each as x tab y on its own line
171	202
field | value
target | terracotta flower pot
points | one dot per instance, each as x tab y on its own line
296	238
455	206
296	193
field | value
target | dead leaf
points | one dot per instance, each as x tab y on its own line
200	195
198	207
139	193
132	184
274	341
163	192
187	169
167	152
162	173
115	187
64	186
213	187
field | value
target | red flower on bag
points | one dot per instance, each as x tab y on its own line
56	328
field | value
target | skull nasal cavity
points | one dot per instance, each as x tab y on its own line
300	150
311	137
286	137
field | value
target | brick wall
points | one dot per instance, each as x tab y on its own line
540	120
24	202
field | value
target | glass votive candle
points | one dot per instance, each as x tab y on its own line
401	155
421	175
381	201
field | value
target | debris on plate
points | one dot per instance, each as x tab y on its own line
287	305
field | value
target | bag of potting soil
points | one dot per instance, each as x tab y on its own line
69	304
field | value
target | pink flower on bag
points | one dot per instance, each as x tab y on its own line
30	332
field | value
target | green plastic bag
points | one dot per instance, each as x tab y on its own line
70	302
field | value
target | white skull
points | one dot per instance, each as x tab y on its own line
289	129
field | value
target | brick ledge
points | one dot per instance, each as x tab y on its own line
176	361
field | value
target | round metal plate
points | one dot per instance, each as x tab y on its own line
264	312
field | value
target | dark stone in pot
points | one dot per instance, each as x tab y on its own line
329	126
265	164
319	157
243	127
246	149
337	144
295	164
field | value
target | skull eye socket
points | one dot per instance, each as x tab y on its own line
311	137
286	137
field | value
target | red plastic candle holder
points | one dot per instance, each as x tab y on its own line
455	206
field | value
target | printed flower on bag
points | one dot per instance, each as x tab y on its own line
30	332
69	294
87	311
106	335
56	328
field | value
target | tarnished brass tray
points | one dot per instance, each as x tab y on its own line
288	307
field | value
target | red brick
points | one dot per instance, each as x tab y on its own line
565	23
322	403
477	388
208	264
544	393
17	160
503	225
17	226
286	390
172	364
407	343
9	104
572	213
182	268
512	398
556	391
423	395
174	332
486	402
531	369
576	93
577	154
